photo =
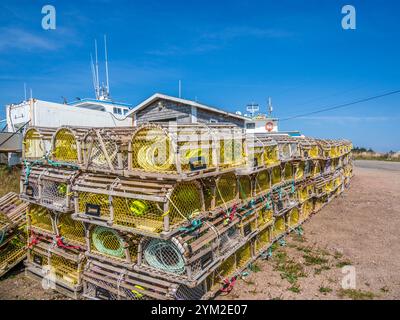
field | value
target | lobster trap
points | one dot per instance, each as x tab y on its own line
261	152
264	239
12	252
67	146
49	187
262	182
70	232
103	281
284	197
288	147
12	214
184	150
36	144
58	268
222	191
306	209
106	149
305	190
148	207
279	227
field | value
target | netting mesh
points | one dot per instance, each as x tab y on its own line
307	208
264	216
65	146
66	271
87	200
104	290
226	189
276	175
140	214
231	153
314	152
11	253
187	293
108	242
54	193
288	171
294	217
262	182
96	156
284	151
279	226
300	171
243	255
33	145
271	156
224	270
40	218
152	151
70	229
163	255
317	169
229	239
245	188
264	239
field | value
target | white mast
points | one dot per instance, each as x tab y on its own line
105	51
97	70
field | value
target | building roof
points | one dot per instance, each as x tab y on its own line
95	101
157	96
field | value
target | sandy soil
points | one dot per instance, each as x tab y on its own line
360	229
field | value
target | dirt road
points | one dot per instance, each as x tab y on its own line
360	229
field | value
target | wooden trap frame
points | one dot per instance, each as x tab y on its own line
12	251
36	144
60	268
49	186
284	197
104	281
184	151
12	214
150	207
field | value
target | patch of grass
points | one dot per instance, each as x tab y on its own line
322	268
255	268
337	255
289	269
384	289
314	259
341	264
304	249
325	290
9	178
298	237
356	294
295	288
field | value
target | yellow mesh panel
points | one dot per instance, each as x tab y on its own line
264	216
294	217
33	145
140	214
288	171
185	201
71	230
66	271
40	218
208	196
37	257
314	152
11	253
276	175
226	269
271	155
263	182
300	170
226	189
245	187
231	153
264	239
317	168
152	151
243	255
191	151
279	226
88	198
307	208
65	147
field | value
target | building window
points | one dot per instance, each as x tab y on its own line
117	110
213	121
125	111
250	125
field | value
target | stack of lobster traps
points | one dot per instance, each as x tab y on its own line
167	212
12	231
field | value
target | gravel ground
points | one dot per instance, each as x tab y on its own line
360	229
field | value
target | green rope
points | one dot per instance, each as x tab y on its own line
165	256
194	225
101	235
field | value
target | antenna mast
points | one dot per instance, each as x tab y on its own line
105	51
270	107
97	71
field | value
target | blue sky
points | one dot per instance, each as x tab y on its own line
227	54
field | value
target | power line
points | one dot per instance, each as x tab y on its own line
341	105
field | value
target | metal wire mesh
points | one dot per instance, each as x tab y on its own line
271	155
231	152
276	175
65	146
294	217
226	269
288	171
306	209
66	271
226	189
264	239
264	216
185	293
229	239
11	253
